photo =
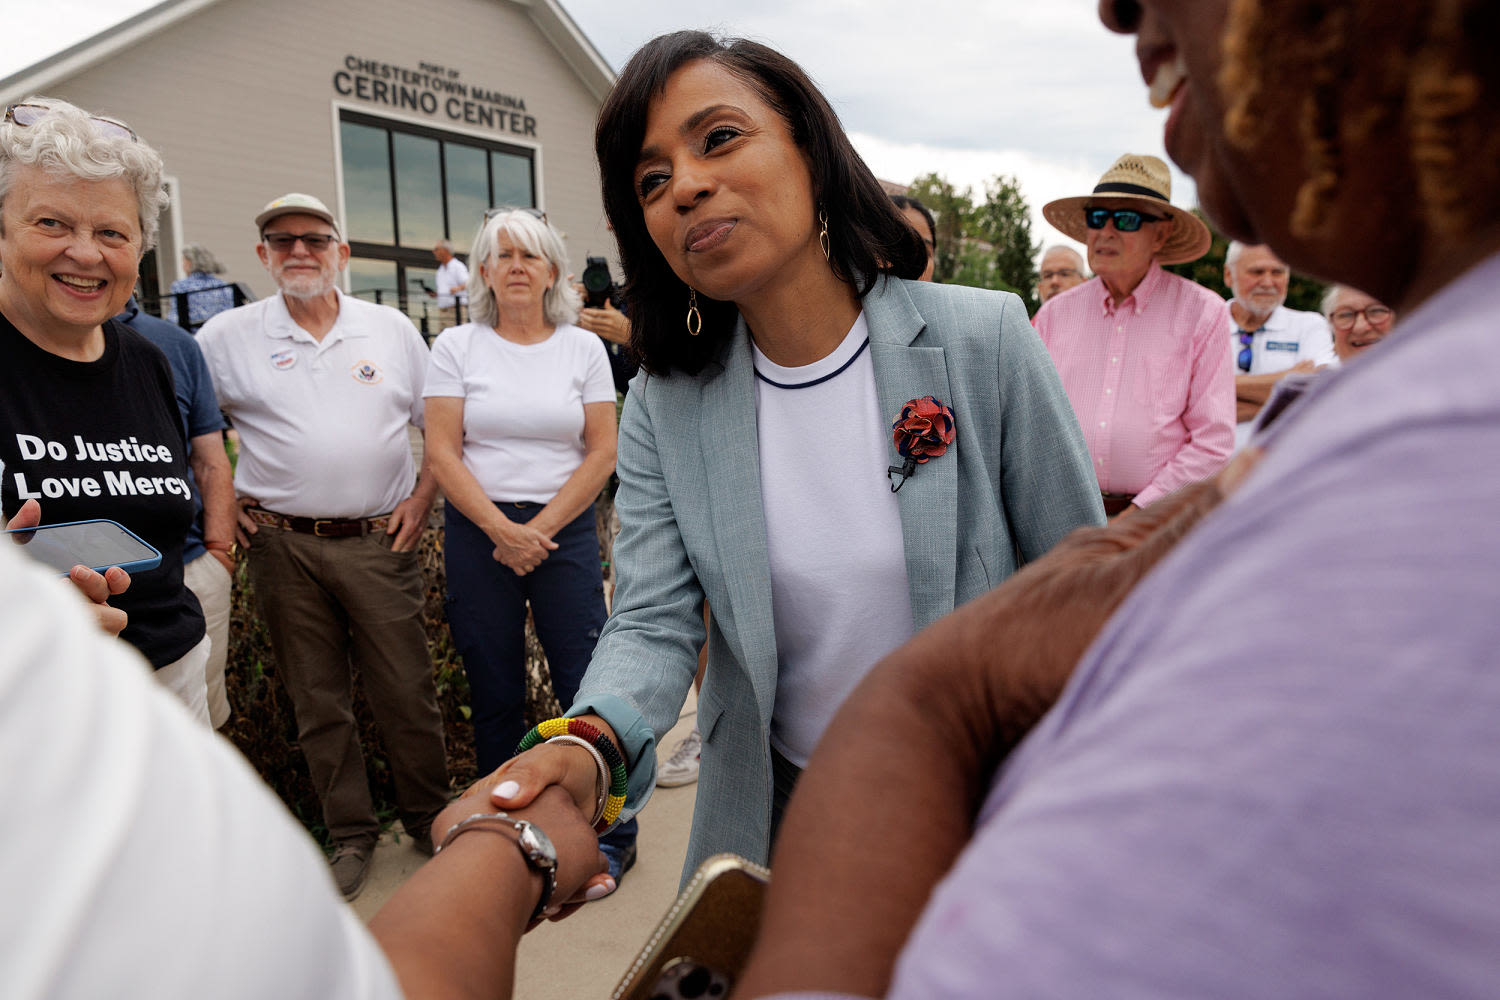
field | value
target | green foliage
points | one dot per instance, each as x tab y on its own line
1208	271
985	244
264	728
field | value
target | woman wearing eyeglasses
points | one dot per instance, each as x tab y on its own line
1358	321
829	452
89	424
1141	350
521	437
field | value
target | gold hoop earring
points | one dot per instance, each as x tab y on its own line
694	317
823	234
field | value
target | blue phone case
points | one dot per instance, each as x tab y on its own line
113	545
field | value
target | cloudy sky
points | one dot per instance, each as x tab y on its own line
1032	88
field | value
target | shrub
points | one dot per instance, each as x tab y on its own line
264	728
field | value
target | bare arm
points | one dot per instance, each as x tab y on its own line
452	929
1252	391
410	515
215	479
955	700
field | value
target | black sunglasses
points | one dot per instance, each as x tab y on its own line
1127	220
283	242
535	213
1246	355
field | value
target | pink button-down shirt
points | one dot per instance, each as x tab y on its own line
1148	379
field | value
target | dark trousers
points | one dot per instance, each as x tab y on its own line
332	601
487	611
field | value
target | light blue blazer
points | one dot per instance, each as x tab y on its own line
1016	480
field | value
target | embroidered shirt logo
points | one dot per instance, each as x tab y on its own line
367	372
282	360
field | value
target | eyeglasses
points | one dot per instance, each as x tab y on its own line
1061	272
1247	356
30	114
283	242
535	213
1127	220
1376	315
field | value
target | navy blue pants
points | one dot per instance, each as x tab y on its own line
487	612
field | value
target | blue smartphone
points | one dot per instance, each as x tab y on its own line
97	544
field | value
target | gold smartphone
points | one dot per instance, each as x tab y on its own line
701	945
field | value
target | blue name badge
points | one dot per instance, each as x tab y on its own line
1281	345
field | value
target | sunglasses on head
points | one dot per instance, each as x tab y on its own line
283	242
1127	220
30	114
535	213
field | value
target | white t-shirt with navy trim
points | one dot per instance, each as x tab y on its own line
839	591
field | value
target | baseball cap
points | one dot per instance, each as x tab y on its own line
295	204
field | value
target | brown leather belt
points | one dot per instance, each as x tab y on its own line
1114	503
323	527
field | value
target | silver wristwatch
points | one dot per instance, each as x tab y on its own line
536	848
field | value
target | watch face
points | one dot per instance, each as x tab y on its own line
538	846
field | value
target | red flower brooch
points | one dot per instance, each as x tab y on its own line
922	431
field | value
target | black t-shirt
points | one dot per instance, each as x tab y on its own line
104	439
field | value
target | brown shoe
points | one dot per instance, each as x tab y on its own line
351	866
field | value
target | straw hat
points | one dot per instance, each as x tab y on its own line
1146	181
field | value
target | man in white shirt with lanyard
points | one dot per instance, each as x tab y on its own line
322	389
1269	339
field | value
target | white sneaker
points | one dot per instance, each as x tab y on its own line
682	767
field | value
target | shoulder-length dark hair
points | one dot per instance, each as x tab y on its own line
866	234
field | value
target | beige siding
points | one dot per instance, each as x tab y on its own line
239	99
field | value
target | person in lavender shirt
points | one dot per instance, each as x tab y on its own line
1275	769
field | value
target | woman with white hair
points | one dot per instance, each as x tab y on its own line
208	294
89	423
521	437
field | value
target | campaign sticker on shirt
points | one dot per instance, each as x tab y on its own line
1281	345
282	360
367	372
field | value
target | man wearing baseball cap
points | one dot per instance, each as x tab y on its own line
1141	350
322	389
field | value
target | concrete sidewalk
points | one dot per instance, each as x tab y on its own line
584	956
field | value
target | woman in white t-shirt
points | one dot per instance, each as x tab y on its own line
521	437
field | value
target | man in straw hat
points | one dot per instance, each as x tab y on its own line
1141	351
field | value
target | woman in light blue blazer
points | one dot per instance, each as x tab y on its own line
759	467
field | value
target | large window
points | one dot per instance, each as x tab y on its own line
406	187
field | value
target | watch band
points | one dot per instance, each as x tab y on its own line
535	846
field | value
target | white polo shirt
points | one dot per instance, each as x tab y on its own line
322	425
1288	337
452	283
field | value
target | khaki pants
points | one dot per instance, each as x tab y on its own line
335	603
211	583
184	678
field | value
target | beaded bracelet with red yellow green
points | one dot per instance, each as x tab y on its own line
606	747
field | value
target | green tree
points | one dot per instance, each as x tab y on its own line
985	244
1004	222
951	209
1302	292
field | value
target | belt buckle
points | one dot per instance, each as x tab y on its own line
318	528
